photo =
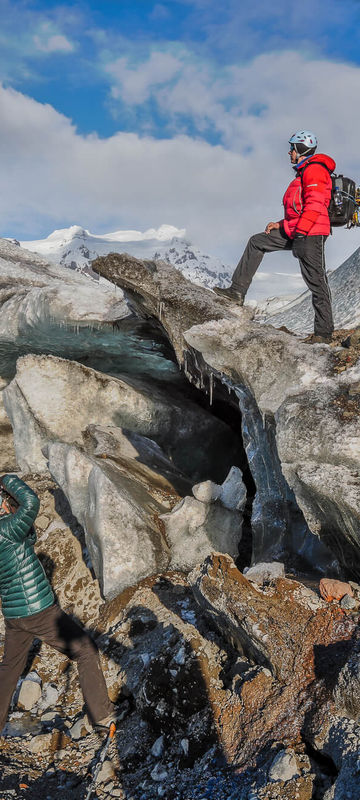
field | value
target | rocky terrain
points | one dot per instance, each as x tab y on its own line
186	522
229	686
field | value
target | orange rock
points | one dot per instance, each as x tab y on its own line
334	590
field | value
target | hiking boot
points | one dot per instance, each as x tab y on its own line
115	716
317	339
230	294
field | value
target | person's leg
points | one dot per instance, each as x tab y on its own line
17	646
310	252
58	630
253	254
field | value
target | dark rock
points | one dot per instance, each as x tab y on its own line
173	690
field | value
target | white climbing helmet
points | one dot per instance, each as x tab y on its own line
306	139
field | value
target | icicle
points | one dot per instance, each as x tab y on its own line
161	308
211	388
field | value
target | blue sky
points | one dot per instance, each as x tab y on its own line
65	54
133	114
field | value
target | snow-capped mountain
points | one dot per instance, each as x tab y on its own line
344	284
76	248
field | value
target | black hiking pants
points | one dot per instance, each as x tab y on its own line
310	252
60	631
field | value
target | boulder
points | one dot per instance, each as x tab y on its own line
273	639
233	490
122	513
22	725
30	692
284	766
81	728
194	529
118	514
260	573
158	747
107	772
49	697
289	777
40	744
52	399
206	492
139	456
232	493
348	602
286	629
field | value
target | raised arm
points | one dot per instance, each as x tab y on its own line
19	524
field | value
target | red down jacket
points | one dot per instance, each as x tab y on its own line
307	199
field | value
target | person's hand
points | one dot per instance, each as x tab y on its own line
272	226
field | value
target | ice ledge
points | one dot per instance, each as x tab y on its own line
292	401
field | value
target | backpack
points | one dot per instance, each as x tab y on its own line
344	207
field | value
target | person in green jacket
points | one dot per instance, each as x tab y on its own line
30	610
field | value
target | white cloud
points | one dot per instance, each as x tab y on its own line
49	40
274	93
222	194
135	83
53	44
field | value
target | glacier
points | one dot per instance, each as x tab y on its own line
254	665
46	308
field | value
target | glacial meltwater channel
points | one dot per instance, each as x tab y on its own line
137	352
127	348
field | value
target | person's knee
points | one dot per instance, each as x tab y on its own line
254	240
259	242
84	649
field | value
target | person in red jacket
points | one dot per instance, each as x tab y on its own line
304	230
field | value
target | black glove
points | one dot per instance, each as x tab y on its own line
299	245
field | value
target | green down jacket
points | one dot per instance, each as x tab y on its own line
24	587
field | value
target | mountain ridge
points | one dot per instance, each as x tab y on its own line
344	283
76	247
